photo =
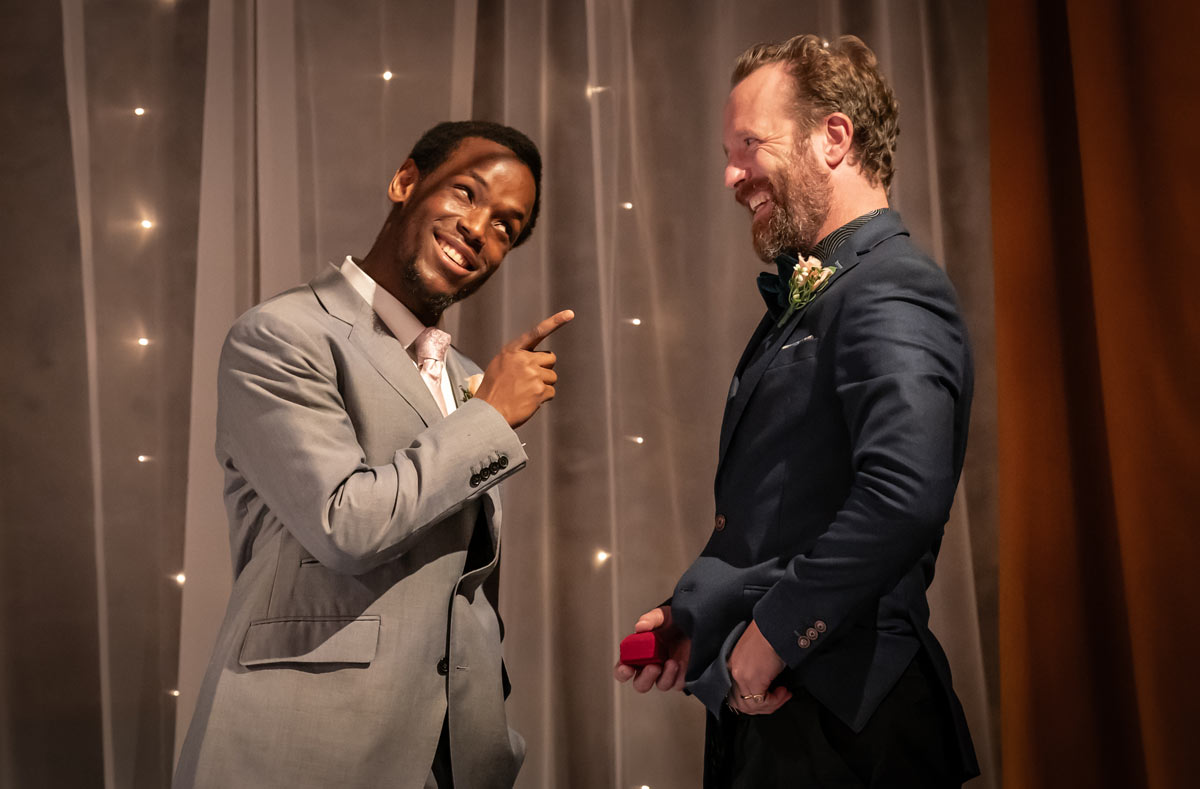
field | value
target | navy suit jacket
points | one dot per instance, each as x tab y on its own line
841	448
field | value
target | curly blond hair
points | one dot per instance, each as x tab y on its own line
839	76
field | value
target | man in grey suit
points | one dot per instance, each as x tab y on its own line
360	648
803	625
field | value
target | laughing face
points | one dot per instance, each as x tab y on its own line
456	223
771	167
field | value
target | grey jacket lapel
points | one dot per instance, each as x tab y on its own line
371	336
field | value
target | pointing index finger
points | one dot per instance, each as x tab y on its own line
530	339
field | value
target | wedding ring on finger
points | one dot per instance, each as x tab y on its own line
756	697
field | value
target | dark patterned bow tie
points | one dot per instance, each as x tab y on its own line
774	287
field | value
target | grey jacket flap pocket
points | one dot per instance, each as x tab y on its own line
324	639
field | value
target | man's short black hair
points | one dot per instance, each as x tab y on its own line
436	145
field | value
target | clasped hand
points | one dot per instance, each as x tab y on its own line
753	666
520	378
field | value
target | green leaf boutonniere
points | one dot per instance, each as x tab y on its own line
808	279
471	387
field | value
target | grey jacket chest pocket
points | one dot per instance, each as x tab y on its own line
330	640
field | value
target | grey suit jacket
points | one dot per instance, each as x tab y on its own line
355	624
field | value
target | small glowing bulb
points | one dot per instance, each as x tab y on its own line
636	321
180	578
140	111
143	341
637	439
645	787
387	75
173	692
601	557
143	458
627	206
146	223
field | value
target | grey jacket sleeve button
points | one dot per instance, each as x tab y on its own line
475	480
503	461
485	472
494	467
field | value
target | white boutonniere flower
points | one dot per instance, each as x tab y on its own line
809	277
471	387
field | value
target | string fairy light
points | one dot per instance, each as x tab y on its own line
387	75
139	111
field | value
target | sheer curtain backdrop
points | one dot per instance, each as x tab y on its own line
264	152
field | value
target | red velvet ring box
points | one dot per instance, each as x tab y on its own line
643	649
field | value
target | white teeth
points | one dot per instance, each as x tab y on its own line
757	201
454	255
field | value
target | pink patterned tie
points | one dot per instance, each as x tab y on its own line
431	348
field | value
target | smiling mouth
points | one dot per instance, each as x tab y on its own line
757	201
455	255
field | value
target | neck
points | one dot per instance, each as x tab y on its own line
851	199
380	265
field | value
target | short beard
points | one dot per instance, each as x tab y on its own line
800	197
435	303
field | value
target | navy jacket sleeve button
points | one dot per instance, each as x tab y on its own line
720	524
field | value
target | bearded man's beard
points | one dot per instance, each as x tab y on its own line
436	303
800	198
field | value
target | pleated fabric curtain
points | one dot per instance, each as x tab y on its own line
1095	201
268	135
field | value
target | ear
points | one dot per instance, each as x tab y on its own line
403	182
835	139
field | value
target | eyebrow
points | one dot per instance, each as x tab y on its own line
512	213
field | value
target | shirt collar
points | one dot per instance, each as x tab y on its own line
399	319
827	246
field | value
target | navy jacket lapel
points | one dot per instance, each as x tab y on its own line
746	378
383	351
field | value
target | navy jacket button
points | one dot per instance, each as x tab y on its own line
720	524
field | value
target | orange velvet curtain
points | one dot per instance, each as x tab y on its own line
1095	108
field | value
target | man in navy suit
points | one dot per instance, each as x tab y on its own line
803	624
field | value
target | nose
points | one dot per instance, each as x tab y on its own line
734	175
471	225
